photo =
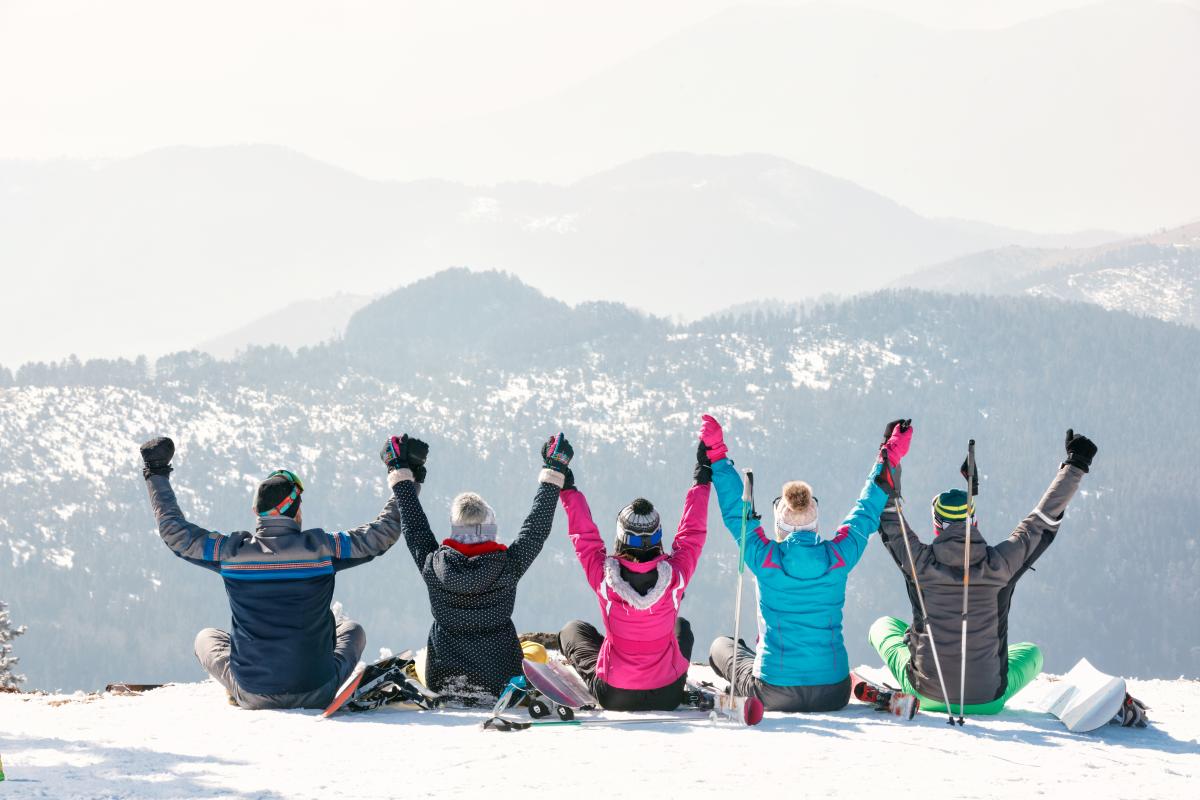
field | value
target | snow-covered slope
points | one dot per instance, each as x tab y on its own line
1157	275
802	397
186	741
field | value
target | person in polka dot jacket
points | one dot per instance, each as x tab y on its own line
470	576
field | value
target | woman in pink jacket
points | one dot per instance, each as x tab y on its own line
641	662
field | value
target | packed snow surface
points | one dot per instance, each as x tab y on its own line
186	741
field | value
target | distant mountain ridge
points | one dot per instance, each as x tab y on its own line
187	244
1156	275
1008	125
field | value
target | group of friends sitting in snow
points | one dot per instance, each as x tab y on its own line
286	650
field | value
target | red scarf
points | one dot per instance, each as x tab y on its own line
472	550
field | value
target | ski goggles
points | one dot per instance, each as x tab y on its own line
785	527
641	541
285	503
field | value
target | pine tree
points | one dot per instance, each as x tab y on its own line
9	678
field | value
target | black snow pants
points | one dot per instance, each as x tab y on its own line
581	642
822	697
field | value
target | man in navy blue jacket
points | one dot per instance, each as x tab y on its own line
284	649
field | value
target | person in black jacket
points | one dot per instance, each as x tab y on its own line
471	577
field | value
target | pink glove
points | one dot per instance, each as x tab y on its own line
713	438
897	437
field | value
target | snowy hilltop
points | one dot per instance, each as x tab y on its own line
185	741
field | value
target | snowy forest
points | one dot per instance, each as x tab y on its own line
804	394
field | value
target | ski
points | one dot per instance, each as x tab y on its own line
506	725
132	688
885	698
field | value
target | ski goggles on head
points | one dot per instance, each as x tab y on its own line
285	503
641	541
785	527
291	476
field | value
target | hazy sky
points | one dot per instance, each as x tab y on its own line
353	82
374	86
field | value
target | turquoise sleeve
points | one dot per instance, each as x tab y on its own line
728	484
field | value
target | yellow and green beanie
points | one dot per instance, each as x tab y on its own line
951	506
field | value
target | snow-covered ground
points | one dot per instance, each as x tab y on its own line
186	741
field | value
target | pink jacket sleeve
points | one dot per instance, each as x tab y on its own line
589	547
693	530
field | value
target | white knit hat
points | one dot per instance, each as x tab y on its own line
796	510
472	520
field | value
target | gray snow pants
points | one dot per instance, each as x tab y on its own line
212	649
822	697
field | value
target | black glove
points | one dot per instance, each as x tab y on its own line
568	479
974	478
890	428
557	453
404	452
888	478
703	471
156	456
1080	450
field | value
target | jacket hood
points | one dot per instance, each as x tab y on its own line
276	526
639	566
798	557
612	577
949	544
460	573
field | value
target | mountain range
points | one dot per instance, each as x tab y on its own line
182	246
1084	117
486	367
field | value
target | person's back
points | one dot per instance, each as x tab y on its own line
994	670
472	578
800	663
640	662
284	648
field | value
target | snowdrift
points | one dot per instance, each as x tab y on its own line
186	741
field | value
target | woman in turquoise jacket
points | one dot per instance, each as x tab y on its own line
801	663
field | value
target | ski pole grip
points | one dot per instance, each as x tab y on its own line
747	485
970	462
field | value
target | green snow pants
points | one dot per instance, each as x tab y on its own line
887	637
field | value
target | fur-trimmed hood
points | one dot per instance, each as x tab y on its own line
614	580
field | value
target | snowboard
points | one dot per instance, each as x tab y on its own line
345	691
1085	698
885	698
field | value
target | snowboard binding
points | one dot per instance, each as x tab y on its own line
392	681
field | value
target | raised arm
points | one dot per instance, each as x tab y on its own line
850	542
1035	533
894	529
556	458
693	523
362	544
585	537
728	483
187	540
405	459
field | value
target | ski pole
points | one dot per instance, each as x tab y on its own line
912	565
747	510
962	677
